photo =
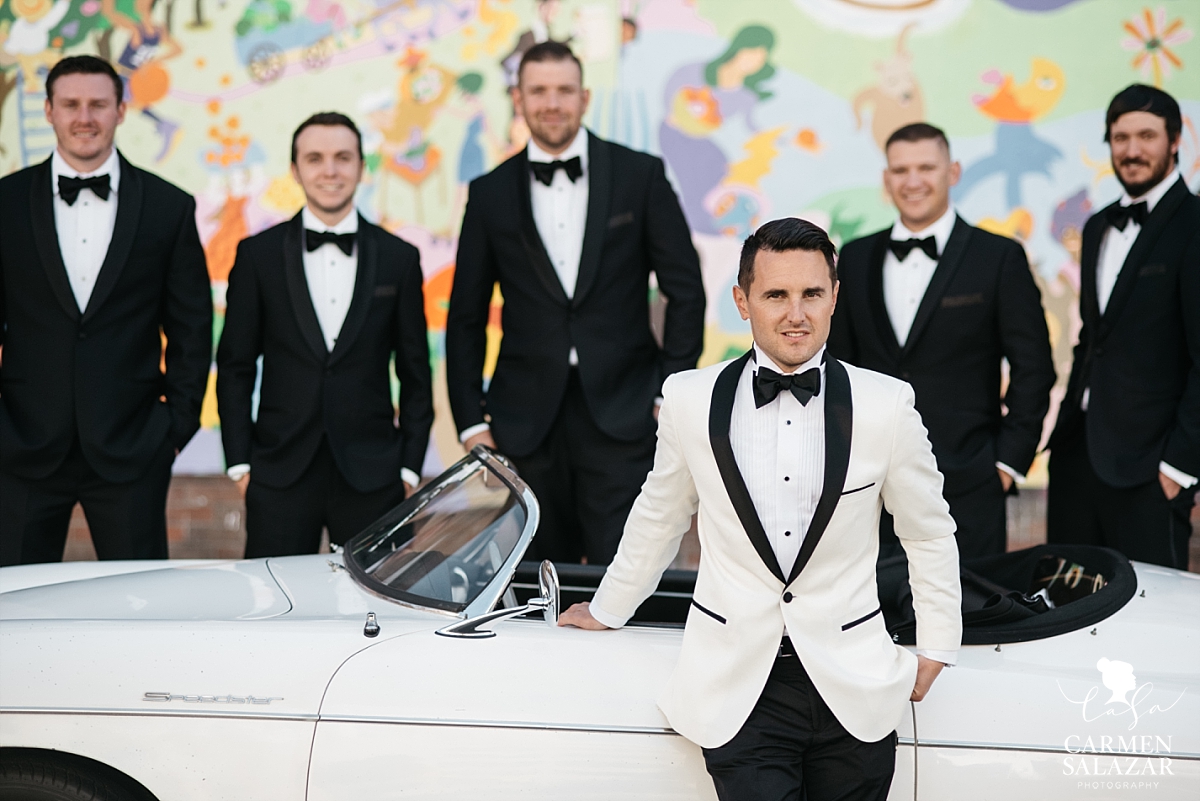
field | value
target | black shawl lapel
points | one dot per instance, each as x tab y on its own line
297	284
599	193
720	412
1146	239
839	427
364	289
45	237
948	263
1089	259
878	306
535	249
129	213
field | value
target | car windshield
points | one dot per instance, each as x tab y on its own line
445	546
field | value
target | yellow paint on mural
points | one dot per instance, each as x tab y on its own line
760	152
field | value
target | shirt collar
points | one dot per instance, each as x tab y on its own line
761	358
1156	194
939	230
347	225
578	147
111	165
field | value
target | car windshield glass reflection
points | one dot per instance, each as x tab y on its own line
442	547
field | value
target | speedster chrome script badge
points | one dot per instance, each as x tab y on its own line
211	699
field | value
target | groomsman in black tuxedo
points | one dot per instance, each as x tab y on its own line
571	229
1125	453
940	304
326	299
99	260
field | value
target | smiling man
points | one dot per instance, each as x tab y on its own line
941	304
787	676
1125	453
99	260
326	300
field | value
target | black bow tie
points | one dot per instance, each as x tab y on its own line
1119	216
768	384
902	247
314	240
69	188
544	170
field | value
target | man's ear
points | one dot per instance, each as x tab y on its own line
741	301
955	172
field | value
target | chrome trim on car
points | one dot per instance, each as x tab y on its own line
1037	749
502	724
156	713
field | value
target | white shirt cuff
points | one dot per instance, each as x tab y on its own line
238	471
478	428
658	401
1017	477
409	477
605	618
947	658
1178	476
1087	393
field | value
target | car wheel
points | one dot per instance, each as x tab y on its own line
44	777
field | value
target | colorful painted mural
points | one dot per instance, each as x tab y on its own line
760	108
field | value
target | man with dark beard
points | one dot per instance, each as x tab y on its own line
1125	453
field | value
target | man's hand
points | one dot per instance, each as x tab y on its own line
242	483
482	438
927	670
580	617
1169	487
1006	480
408	489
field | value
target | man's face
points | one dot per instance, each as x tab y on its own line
1142	153
918	180
552	100
789	305
84	113
328	167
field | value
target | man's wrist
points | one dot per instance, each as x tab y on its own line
409	477
1016	476
238	471
472	431
1175	474
947	658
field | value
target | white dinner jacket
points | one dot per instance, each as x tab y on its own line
876	451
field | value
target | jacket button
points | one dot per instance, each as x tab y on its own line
787	597
83	335
906	375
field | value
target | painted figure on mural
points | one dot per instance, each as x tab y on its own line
895	100
27	39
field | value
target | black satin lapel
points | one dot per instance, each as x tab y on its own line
297	284
883	323
720	412
948	263
599	193
535	249
129	214
45	238
364	290
839	428
1089	259
1146	239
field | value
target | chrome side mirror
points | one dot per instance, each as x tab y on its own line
547	602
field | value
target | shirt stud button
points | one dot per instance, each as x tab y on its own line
789	422
787	533
787	478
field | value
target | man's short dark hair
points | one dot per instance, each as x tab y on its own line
84	65
917	132
328	118
780	236
548	51
1140	97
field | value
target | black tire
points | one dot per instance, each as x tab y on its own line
45	776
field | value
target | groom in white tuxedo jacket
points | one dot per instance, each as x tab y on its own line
787	676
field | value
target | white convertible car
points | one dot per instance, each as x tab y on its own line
419	663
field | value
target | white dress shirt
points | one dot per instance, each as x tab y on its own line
1114	249
905	282
85	228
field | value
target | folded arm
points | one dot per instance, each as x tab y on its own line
188	325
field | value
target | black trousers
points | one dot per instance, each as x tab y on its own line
1137	521
288	521
586	483
126	521
792	748
981	517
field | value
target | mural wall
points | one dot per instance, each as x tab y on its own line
761	108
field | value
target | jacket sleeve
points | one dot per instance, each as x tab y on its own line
466	321
412	367
912	492
842	342
677	267
1183	441
188	325
1025	342
237	358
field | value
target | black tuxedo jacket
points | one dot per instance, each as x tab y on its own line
981	305
634	227
95	375
1141	358
308	392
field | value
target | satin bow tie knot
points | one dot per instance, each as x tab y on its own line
544	170
69	188
768	384
1119	216
314	240
902	247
